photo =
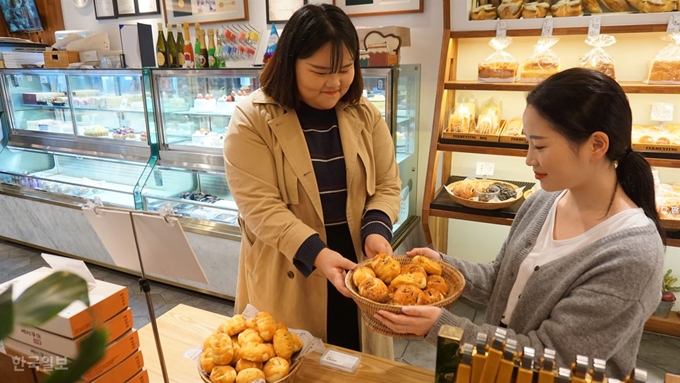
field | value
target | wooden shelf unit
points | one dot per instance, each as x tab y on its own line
435	219
667	326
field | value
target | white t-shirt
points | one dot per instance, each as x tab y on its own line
547	249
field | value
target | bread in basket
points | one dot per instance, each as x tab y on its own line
470	193
454	287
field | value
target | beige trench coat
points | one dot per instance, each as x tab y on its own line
272	180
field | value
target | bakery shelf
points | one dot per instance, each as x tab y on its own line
121	110
628	87
668	326
202	114
609	29
444	206
27	107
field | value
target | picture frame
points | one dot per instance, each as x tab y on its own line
204	11
148	7
279	11
356	8
105	9
125	8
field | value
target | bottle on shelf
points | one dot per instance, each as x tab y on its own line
172	48
204	50
219	53
197	47
161	51
179	62
212	60
188	48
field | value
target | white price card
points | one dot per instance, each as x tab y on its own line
662	111
29	78
490	168
501	28
480	171
547	30
43	80
673	23
594	26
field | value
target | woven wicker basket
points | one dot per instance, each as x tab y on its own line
482	205
286	379
368	308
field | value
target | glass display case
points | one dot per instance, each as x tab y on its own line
80	134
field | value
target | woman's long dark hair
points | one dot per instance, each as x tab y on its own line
579	102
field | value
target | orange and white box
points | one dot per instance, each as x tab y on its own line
106	299
124	371
117	326
142	377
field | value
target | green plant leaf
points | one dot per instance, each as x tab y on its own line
47	297
91	351
7	316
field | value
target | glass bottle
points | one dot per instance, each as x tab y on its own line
172	48
179	63
188	48
161	51
197	47
212	60
204	50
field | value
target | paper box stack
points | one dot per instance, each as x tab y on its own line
54	343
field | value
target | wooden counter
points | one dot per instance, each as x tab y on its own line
184	328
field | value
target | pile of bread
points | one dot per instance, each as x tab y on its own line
462	120
244	350
514	9
656	135
385	280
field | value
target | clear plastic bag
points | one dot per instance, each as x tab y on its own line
462	117
665	68
597	58
490	117
543	63
500	66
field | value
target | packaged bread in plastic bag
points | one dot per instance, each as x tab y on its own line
462	117
597	58
489	121
543	63
500	66
665	68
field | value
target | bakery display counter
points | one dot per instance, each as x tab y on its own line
183	329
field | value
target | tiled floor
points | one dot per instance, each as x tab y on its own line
658	354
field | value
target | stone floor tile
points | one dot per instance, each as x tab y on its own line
657	353
654	373
463	310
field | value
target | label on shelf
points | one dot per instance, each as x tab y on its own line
484	169
594	25
662	111
29	78
501	28
547	30
43	80
673	23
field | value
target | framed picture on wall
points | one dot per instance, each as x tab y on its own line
379	7
148	7
126	7
105	9
204	11
279	11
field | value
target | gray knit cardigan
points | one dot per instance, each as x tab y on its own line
593	302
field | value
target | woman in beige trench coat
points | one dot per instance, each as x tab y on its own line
308	129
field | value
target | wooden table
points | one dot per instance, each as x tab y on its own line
184	328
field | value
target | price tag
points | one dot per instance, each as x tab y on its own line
43	80
673	23
594	26
547	30
125	123
29	78
481	169
489	168
501	28
662	111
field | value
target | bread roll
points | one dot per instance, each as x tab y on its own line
510	10
617	5
249	336
361	273
418	280
242	364
637	4
283	343
222	349
436	282
407	295
249	375
257	352
276	369
223	374
206	342
592	6
431	296
412	268
233	325
535	10
236	347
485	12
296	342
266	325
430	266
655	6
374	289
206	360
385	267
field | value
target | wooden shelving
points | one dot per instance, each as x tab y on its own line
628	87
609	29
668	326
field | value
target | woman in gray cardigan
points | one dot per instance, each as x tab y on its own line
581	269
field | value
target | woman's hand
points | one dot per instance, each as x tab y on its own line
333	265
425	252
413	319
376	244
